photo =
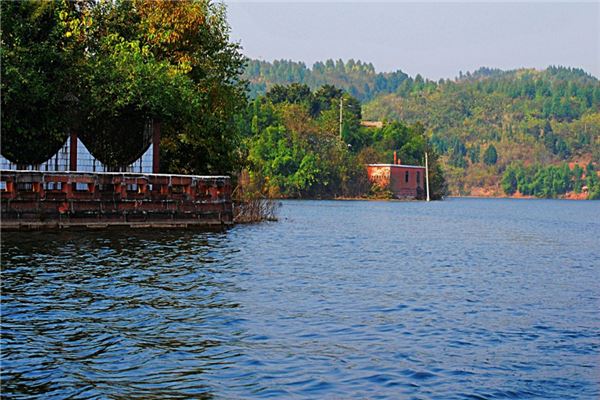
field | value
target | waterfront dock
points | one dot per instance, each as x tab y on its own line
32	200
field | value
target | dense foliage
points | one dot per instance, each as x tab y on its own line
551	181
35	82
106	68
483	122
295	147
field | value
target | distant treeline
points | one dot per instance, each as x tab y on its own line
355	77
551	181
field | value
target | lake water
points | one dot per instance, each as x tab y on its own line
461	299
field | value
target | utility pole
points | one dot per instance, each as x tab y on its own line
427	176
341	116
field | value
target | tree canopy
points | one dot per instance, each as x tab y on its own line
551	181
106	68
36	80
294	147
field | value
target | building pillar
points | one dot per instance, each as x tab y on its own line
73	151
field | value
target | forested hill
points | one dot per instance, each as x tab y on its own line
483	122
355	77
480	122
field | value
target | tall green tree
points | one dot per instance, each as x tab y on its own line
490	156
509	180
39	79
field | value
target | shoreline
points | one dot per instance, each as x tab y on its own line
424	201
517	197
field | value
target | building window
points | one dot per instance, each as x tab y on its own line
53	186
406	177
418	177
80	187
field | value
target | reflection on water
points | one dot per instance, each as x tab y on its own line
458	299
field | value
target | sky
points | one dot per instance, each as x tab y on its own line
434	39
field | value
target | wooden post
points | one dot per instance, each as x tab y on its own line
427	176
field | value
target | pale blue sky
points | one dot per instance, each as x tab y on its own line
436	40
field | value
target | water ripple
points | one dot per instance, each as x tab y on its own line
464	299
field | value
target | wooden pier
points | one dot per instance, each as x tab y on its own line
66	200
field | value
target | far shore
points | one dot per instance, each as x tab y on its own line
453	196
516	197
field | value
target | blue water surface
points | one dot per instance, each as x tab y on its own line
460	299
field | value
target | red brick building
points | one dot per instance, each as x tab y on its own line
404	181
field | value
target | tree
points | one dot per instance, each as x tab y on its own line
457	154
295	93
474	153
438	186
490	156
509	180
193	36
323	97
125	86
577	178
38	80
117	65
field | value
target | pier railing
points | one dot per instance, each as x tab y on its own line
85	197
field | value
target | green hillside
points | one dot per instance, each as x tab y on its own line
536	118
481	123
